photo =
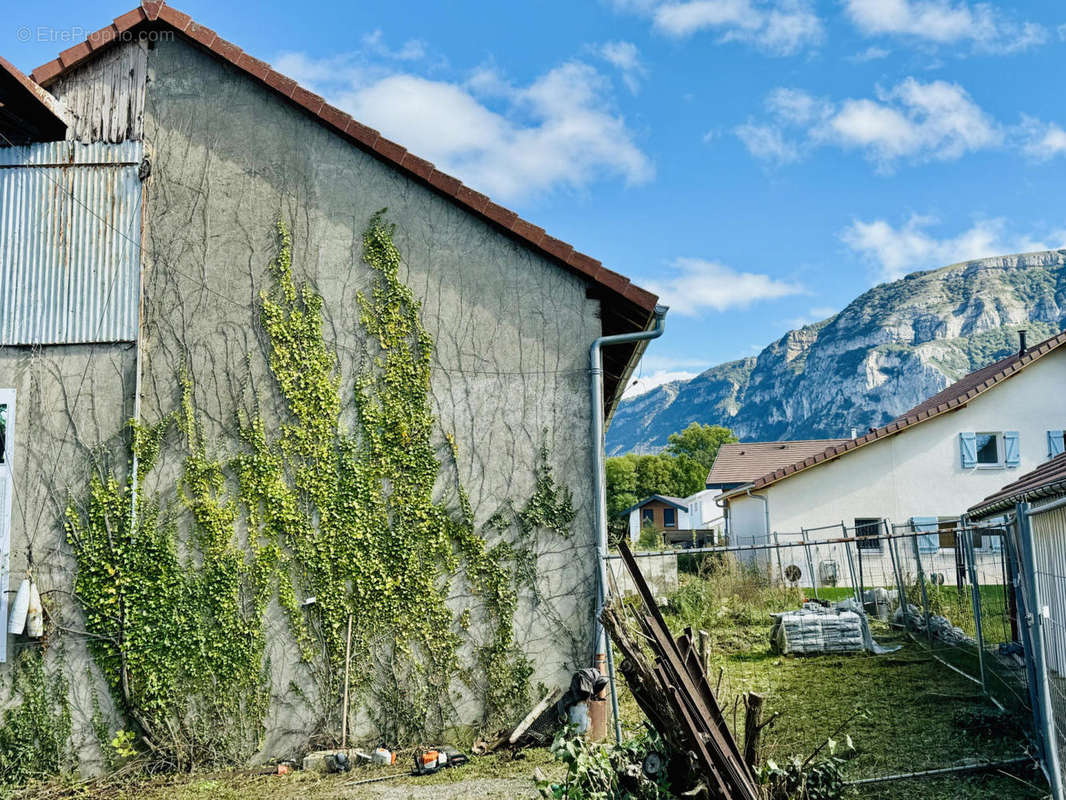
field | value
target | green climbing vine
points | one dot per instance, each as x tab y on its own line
337	524
35	732
179	639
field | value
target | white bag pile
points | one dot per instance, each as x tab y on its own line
816	629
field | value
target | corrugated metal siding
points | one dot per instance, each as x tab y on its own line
70	230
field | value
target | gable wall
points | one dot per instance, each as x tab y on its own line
512	330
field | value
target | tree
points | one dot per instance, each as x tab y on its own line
699	443
681	470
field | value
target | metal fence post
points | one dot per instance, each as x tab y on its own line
904	605
925	594
851	567
810	562
1019	630
1033	615
780	569
966	537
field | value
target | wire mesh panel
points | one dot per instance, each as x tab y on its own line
1047	529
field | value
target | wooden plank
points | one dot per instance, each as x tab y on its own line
693	735
548	699
699	677
690	700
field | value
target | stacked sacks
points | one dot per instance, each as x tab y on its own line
816	629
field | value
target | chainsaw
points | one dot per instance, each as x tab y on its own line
435	759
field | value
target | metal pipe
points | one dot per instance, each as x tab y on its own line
1032	512
599	480
743	548
765	508
135	461
944	771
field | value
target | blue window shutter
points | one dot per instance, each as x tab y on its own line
1012	449
930	542
968	449
1055	444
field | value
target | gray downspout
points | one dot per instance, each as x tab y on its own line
765	508
599	479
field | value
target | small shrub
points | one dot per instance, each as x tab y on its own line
606	771
651	538
799	780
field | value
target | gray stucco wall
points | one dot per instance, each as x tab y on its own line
72	403
512	330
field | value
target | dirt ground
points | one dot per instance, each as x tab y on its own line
487	778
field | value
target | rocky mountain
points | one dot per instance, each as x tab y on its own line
891	348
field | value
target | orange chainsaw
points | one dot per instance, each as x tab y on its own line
435	759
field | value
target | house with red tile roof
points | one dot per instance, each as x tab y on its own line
922	470
192	241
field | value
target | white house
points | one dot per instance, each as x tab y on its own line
680	519
924	468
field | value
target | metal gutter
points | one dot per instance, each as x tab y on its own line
599	480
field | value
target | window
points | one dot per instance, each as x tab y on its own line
647	516
988	449
868	527
669	518
946	532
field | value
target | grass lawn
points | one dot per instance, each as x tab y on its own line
917	711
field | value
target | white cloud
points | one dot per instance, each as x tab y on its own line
697	285
778	27
646	383
896	250
1042	141
872	53
943	22
913	120
506	140
768	143
411	50
625	57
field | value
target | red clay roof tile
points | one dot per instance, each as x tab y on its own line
205	36
179	19
228	51
72	55
102	37
130	18
309	100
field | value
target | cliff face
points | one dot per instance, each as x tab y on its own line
892	347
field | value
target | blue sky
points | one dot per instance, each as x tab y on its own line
757	162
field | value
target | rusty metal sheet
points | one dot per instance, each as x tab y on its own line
70	234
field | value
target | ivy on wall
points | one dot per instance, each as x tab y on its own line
35	732
306	508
